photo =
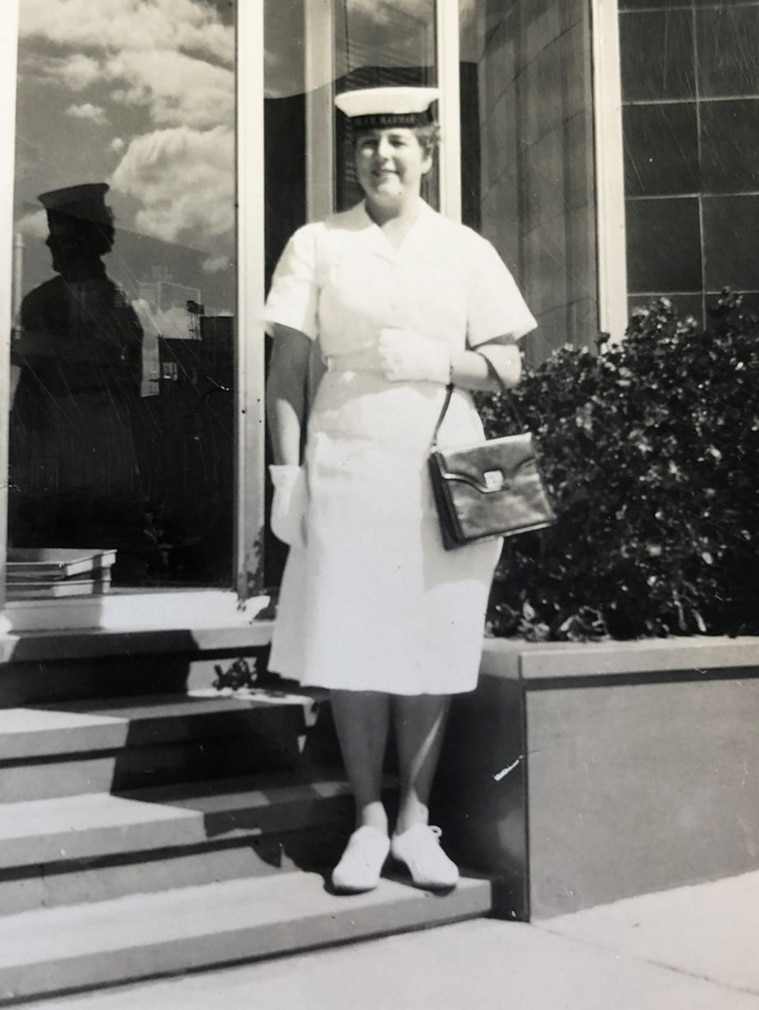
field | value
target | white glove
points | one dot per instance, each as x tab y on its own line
288	507
405	356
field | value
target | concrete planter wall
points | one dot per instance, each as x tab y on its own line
578	774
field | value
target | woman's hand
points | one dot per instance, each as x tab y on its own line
286	407
405	356
288	507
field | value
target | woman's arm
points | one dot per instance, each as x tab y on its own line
286	394
406	356
470	370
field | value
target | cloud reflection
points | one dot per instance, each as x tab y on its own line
93	113
161	74
116	25
184	180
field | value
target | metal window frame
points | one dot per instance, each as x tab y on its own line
320	122
250	294
447	35
8	74
609	165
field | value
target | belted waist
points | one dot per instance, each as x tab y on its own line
363	360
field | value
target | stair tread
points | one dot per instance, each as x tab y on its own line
141	921
36	731
186	703
78	813
190	801
102	826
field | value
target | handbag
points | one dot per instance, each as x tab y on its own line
489	490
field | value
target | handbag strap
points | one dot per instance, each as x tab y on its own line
441	416
504	391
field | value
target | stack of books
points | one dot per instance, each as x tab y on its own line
40	572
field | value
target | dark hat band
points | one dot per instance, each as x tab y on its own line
386	120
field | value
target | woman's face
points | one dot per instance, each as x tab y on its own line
391	163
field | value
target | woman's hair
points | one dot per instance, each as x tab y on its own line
428	137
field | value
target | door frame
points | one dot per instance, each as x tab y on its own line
8	75
609	169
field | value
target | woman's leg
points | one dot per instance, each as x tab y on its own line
419	725
362	719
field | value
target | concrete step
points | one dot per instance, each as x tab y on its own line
103	878
98	846
59	666
96	825
110	724
141	936
128	743
279	747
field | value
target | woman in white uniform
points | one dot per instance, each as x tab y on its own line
402	302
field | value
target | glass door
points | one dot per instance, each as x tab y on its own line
123	351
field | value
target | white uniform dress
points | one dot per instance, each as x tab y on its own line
374	601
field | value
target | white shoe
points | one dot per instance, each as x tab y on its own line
419	848
361	864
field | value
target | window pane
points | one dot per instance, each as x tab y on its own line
323	50
123	347
380	44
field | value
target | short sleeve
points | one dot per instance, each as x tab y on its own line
293	298
496	305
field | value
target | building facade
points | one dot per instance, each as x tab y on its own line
602	146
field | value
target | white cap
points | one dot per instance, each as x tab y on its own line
374	108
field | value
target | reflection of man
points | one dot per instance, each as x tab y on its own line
79	350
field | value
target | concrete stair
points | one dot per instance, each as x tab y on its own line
126	743
143	836
192	928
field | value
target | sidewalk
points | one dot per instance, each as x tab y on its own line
694	948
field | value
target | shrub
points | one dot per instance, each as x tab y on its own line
651	449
